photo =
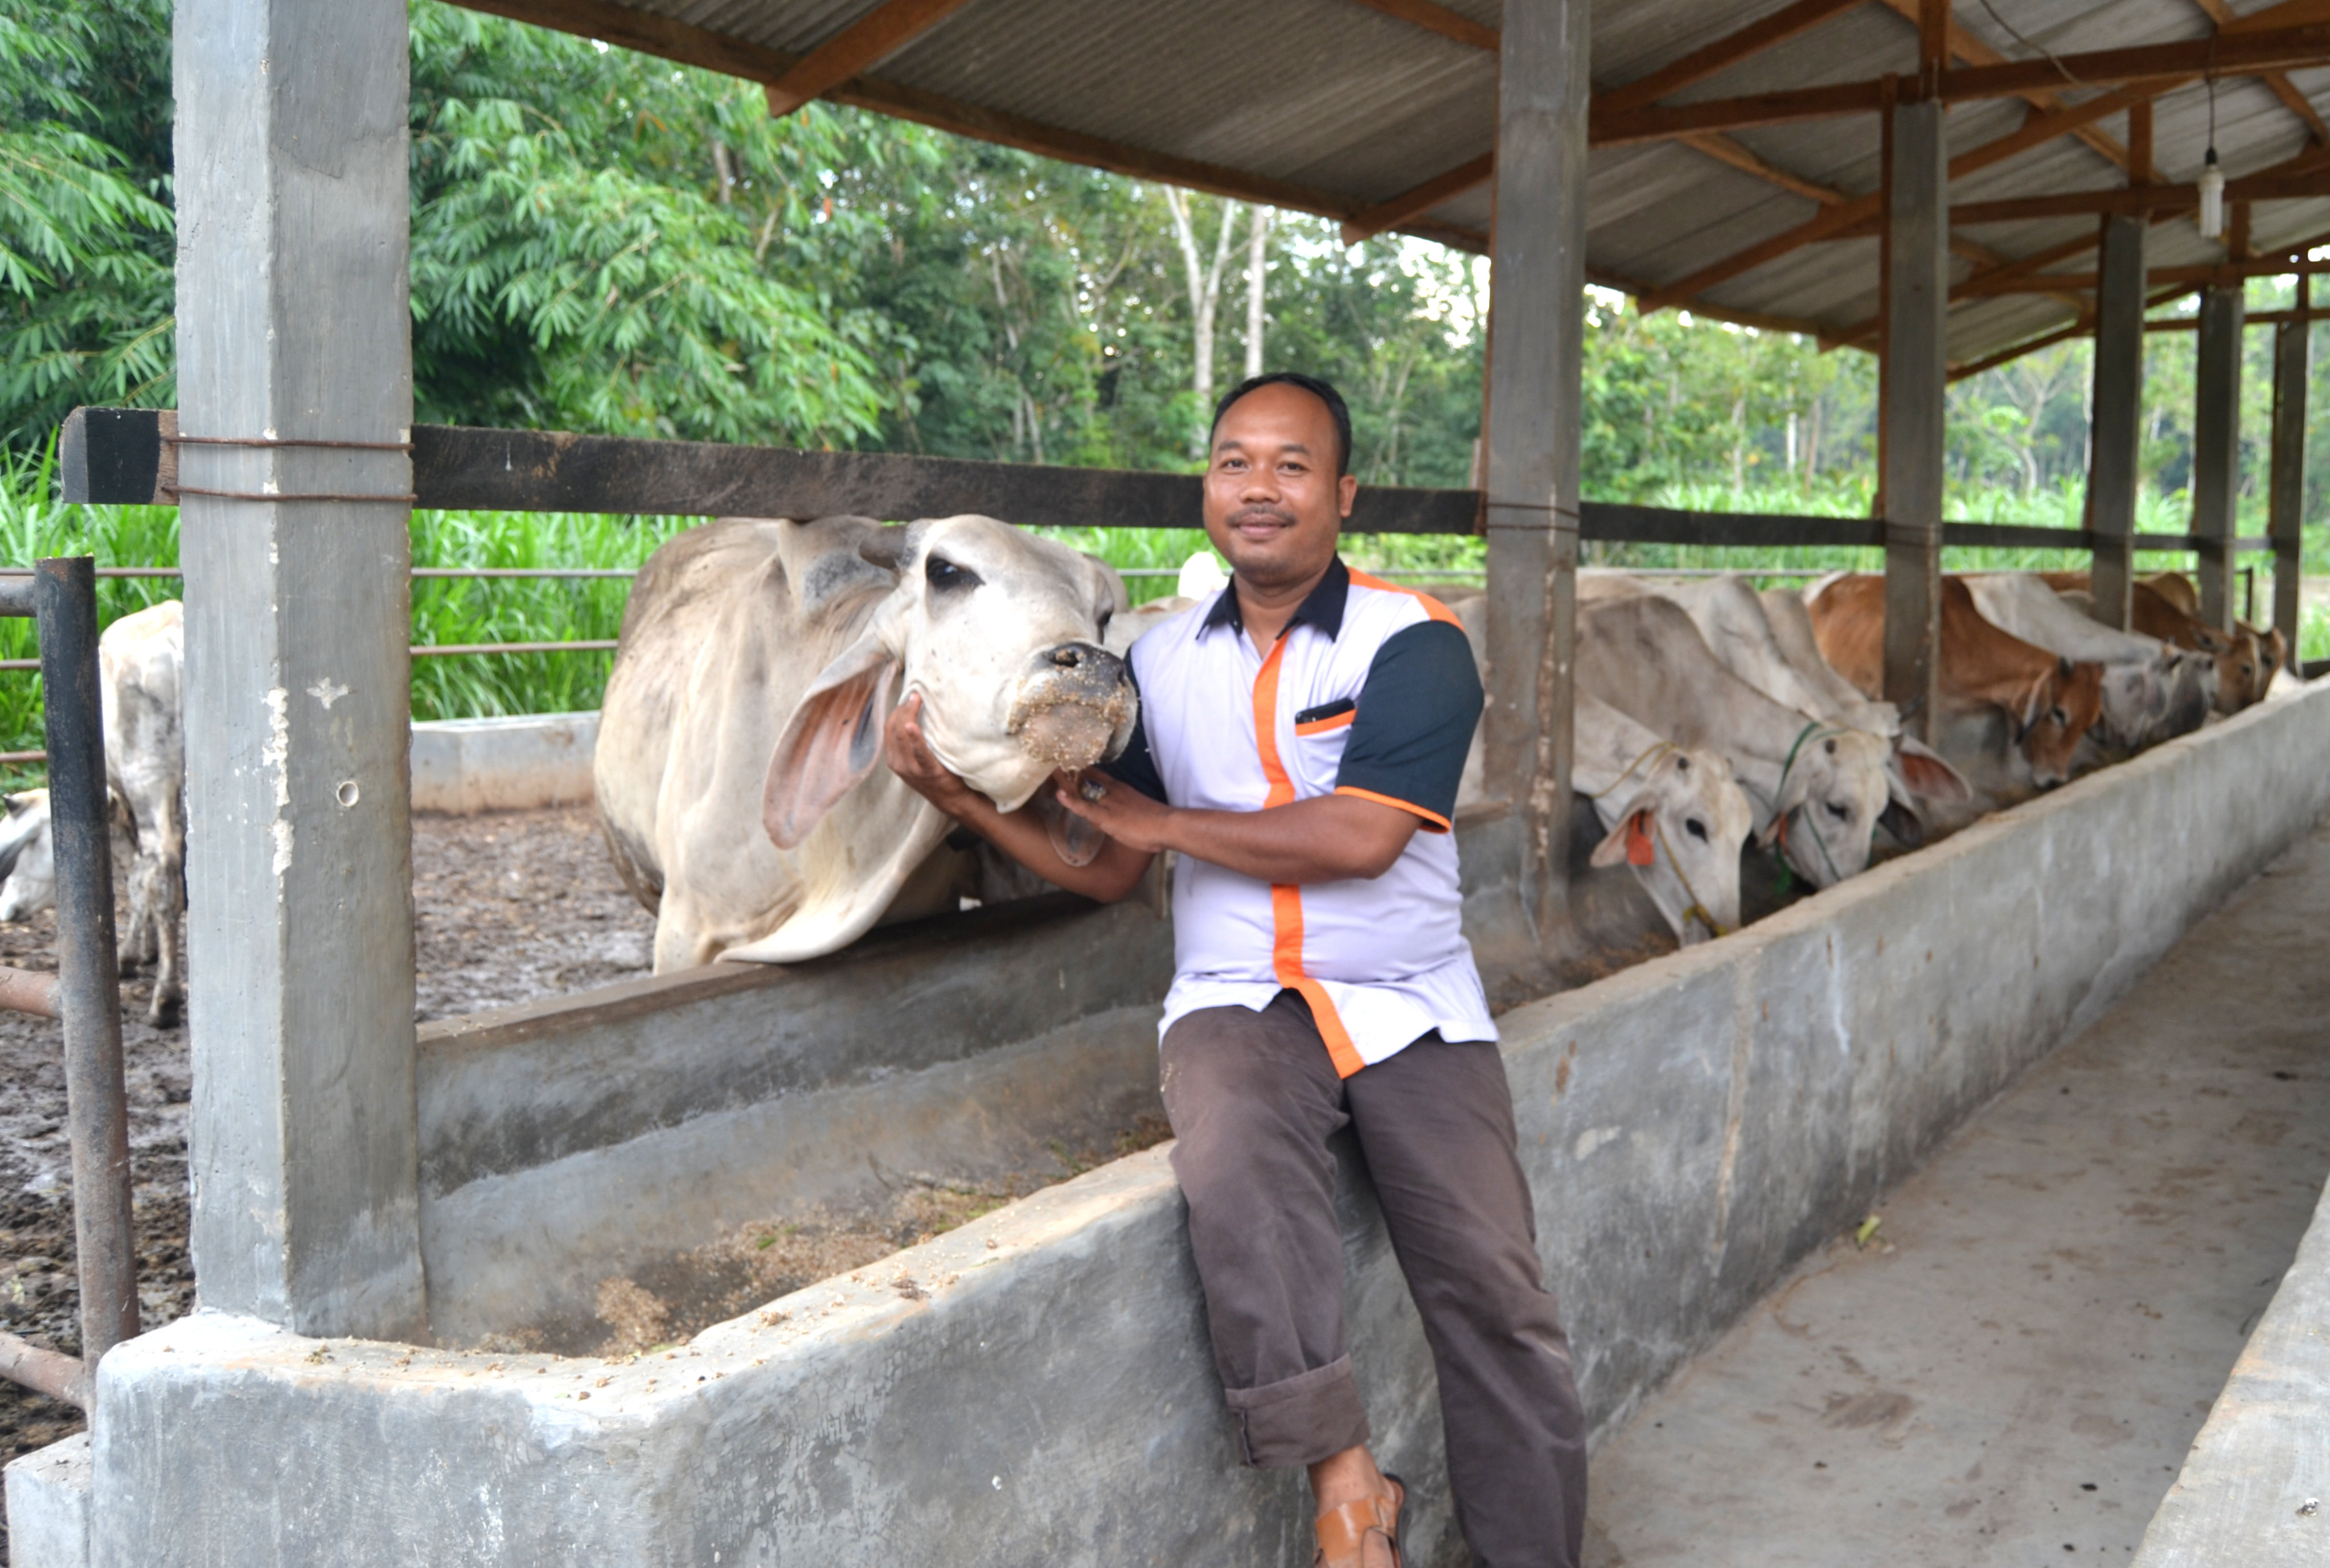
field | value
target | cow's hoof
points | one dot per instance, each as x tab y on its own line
163	1013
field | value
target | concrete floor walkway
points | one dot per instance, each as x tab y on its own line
2013	1369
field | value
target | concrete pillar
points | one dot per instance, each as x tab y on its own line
2114	445
2217	448
1535	362
294	338
1916	383
2293	366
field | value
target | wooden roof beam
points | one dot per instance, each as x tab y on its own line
2035	131
1414	204
1966	46
2192	277
1862	332
2151	65
2224	15
1723	54
1439	19
858	48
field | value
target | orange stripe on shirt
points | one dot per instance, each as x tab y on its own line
1286	899
1432	819
1432	606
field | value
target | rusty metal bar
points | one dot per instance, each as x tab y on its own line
42	1371
439	651
88	981
29	991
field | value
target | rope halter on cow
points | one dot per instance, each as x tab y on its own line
1788	818
1696	909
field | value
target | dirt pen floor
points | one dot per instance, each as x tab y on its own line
509	908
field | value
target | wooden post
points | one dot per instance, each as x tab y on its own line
1915	385
1534	431
2217	448
2113	446
2293	364
294	339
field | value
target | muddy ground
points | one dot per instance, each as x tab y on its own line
508	908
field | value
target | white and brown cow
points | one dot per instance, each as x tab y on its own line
739	766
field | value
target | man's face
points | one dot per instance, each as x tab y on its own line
1273	506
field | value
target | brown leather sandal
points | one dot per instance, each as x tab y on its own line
1344	1534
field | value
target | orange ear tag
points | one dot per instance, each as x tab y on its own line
1638	839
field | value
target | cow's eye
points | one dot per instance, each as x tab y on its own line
1105	617
2060	716
944	574
1841	813
1695	827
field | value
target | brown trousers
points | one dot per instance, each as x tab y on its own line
1253	1098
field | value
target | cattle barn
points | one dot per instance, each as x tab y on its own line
1944	187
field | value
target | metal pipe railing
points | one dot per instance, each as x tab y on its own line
85	992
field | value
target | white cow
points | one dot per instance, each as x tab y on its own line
1673	813
1741	633
2151	692
1819	790
140	659
28	859
739	767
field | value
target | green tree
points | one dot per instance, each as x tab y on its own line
85	237
595	246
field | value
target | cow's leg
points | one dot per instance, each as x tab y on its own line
137	945
161	899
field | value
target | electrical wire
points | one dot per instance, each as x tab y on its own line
2036	48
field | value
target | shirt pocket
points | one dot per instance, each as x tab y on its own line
1321	734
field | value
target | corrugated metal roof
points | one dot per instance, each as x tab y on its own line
1357	107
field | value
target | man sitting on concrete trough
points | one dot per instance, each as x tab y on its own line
1301	739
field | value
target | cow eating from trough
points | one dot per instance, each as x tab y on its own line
739	768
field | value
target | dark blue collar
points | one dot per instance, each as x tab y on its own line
1322	607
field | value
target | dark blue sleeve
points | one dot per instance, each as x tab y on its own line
1416	713
1137	766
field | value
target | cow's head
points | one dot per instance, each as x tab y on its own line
1001	632
1833	791
2134	697
2191	681
1681	831
27	859
2061	707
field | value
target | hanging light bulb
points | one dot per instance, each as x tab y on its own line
2212	197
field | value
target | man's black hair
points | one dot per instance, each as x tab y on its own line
1322	390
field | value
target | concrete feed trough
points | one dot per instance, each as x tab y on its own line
1036	1387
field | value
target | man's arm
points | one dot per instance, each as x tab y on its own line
1332	838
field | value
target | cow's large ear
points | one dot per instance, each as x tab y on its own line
1902	821
832	740
1634	826
1920	771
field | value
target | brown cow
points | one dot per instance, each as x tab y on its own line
2267	648
2050	702
2164	606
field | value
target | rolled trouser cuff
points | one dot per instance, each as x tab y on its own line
1300	1420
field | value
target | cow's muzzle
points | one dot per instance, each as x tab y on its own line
1075	706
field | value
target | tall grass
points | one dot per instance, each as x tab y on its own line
33	523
